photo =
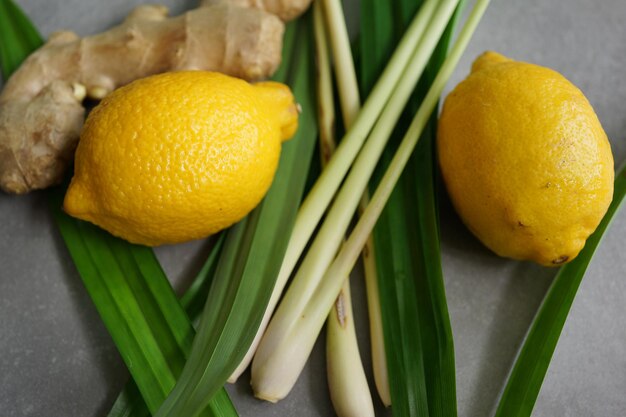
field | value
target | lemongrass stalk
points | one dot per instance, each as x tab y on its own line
342	57
277	364
347	383
319	197
349	391
325	102
338	336
311	318
316	202
345	74
349	253
377	338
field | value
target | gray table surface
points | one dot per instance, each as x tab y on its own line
56	358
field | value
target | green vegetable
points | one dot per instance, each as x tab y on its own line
18	37
137	305
129	402
324	189
377	42
349	252
281	75
347	383
407	235
293	330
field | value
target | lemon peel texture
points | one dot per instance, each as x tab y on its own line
525	160
179	156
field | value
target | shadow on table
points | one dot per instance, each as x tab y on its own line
512	316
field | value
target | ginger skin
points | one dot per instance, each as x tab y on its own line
285	9
41	111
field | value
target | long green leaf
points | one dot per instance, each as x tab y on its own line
138	306
420	353
126	283
392	242
376	40
195	296
18	37
531	365
106	282
437	340
251	259
129	402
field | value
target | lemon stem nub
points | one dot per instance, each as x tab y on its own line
78	201
279	96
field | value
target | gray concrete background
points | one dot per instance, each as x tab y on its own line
56	358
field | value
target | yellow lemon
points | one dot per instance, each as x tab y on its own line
525	160
180	155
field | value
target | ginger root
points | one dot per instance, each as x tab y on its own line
285	9
41	111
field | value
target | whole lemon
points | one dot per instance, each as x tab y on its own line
179	156
525	160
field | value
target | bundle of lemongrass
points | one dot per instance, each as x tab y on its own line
293	329
410	330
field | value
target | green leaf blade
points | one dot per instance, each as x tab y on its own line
421	177
129	402
173	335
375	42
118	309
137	309
194	298
19	37
420	352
